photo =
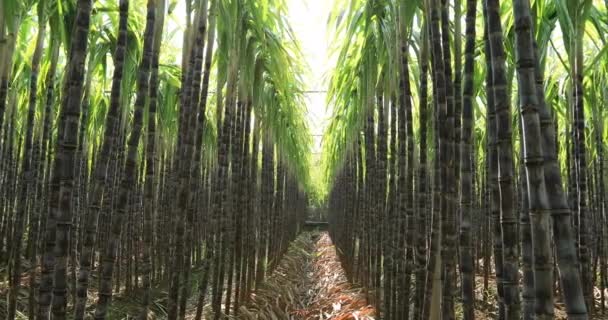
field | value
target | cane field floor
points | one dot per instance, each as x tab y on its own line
309	283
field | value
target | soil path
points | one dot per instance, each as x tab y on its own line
309	284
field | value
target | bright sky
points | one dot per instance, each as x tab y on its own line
308	18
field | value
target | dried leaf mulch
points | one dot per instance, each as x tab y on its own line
331	295
308	284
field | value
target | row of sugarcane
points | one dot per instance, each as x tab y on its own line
518	190
121	171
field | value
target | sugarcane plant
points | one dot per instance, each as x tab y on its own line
499	149
131	155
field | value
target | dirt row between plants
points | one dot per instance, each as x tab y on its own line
309	283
